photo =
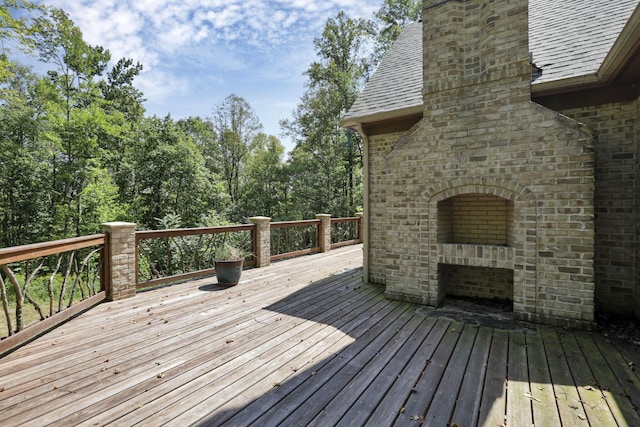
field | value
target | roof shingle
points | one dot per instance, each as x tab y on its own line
568	38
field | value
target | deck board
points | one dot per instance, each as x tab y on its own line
494	395
543	401
304	342
468	403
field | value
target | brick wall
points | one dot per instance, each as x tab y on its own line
476	281
616	200
482	135
637	216
475	219
378	147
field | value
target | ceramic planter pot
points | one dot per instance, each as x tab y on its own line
228	272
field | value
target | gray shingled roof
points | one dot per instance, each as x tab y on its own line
397	83
567	38
571	38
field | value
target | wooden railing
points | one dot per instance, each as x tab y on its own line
49	282
172	255
294	238
345	231
89	269
165	256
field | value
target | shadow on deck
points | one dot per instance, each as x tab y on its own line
304	342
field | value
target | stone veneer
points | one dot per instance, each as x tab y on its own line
482	135
263	240
121	246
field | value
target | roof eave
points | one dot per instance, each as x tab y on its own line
353	122
623	51
566	85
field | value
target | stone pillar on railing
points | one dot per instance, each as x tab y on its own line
324	236
360	217
263	240
120	282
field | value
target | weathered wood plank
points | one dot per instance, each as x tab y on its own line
200	373
392	404
494	395
260	406
519	412
209	333
543	401
570	407
427	385
605	380
595	405
624	372
209	400
362	408
444	400
467	407
262	395
333	411
303	404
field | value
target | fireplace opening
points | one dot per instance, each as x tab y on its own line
476	219
483	286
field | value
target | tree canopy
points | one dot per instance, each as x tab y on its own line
79	150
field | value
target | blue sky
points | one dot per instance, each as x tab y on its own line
196	52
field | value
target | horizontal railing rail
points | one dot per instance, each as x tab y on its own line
39	291
53	281
165	256
345	231
294	238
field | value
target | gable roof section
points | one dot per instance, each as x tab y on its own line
575	42
571	38
396	85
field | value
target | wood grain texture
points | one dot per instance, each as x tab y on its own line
305	342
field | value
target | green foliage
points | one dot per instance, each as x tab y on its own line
390	19
15	27
170	176
236	126
78	150
326	165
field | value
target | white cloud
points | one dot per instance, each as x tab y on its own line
183	43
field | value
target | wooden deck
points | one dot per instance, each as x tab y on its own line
304	342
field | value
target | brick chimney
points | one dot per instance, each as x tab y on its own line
471	45
490	195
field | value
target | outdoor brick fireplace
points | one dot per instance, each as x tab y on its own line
488	195
475	246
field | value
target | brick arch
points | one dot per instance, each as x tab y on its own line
522	249
487	185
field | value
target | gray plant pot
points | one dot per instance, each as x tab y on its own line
228	272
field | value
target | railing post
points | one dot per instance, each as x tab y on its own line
324	235
360	217
263	240
121	278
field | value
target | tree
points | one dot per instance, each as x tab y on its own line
170	177
24	167
15	28
327	161
236	125
74	112
264	183
391	18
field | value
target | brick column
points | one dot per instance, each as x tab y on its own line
263	240
324	236
120	282
360	216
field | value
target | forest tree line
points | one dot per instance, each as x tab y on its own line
78	150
